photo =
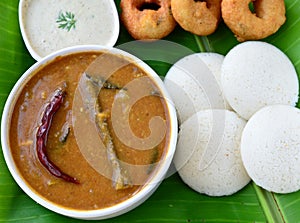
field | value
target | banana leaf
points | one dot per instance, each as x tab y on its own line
173	201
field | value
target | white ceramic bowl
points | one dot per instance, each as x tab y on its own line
104	213
44	31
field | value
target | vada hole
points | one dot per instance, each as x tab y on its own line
251	7
148	6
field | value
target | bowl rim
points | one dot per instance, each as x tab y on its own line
29	45
107	212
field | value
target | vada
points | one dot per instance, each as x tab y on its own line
147	19
198	17
268	17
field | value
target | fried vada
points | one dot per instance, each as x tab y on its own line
147	19
268	17
198	17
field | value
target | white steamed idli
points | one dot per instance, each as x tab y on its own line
270	148
194	84
208	152
256	74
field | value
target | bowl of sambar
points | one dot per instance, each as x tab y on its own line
89	132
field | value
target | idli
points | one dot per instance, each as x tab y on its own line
208	156
270	148
256	74
194	84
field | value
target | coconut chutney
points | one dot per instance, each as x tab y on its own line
48	26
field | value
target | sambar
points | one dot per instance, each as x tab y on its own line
90	190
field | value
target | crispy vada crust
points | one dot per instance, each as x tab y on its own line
147	23
269	16
200	18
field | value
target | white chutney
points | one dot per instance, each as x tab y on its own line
83	22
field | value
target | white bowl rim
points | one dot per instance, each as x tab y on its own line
98	214
38	57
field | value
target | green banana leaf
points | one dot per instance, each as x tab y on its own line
173	201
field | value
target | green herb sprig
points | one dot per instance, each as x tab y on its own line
66	20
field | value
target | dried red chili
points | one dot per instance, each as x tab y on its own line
42	136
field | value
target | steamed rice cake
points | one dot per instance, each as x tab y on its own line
270	148
194	84
256	74
208	152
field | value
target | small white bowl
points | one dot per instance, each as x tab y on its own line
104	213
44	24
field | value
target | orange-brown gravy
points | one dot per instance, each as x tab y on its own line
94	191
